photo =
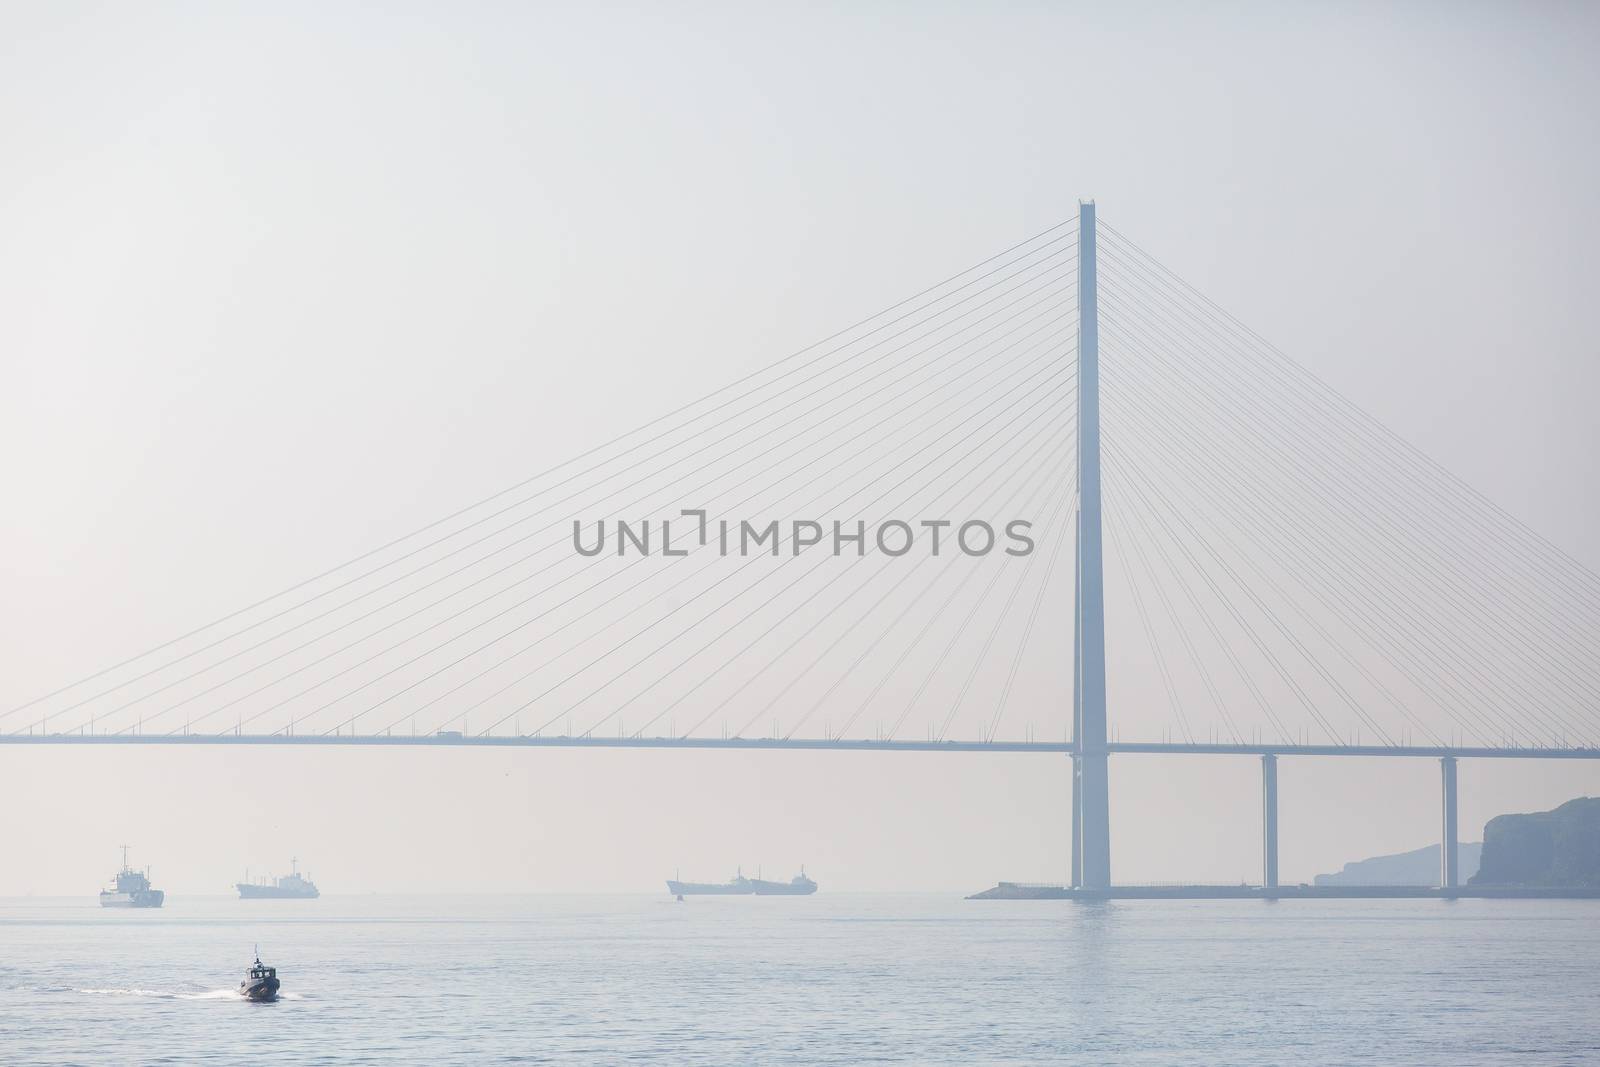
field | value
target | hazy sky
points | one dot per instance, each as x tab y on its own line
280	282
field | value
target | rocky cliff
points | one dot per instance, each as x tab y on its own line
1545	848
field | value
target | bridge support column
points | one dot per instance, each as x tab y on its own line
1094	814
1449	867
1077	825
1077	717
1093	829
1269	821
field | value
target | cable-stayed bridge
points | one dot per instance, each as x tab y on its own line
1059	502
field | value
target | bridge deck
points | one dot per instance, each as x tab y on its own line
1156	748
1016	891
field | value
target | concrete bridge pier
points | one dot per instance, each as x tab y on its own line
1269	821
1077	825
1449	867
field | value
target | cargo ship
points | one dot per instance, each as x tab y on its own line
798	886
131	889
290	887
738	885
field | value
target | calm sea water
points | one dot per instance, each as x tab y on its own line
833	979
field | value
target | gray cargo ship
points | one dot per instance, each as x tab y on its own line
738	885
290	887
131	888
798	886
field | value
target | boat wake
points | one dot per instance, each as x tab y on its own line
164	994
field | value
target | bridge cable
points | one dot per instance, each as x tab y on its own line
583	455
1195	658
1022	449
1402	504
541	570
1065	447
1001	617
878	426
944	656
1499	566
1277	506
1359	417
868	415
1027	630
1234	395
616	677
1048	300
652	599
1197	448
1192	507
1144	485
1116	538
1130	503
